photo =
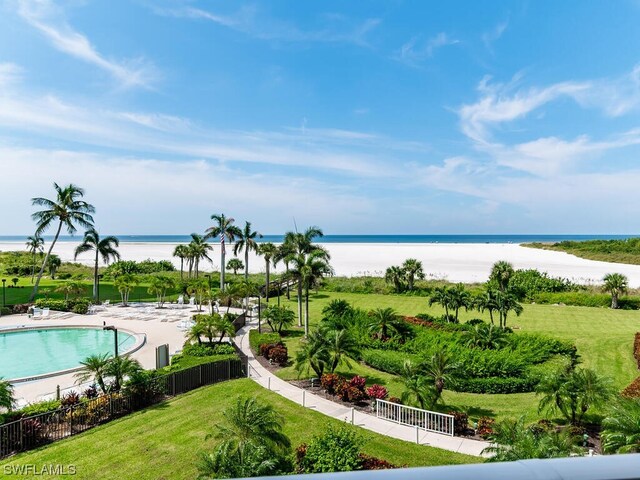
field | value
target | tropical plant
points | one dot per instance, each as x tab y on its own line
440	368
15	281
279	318
94	368
486	301
70	289
68	210
418	388
501	274
441	296
385	323
181	252
616	284
159	286
512	440
507	302
270	254
224	229
7	400
336	450
235	264
313	354
119	368
247	242
125	283
197	331
199	288
199	250
485	336
342	346
459	297
103	247
621	427
395	276
572	392
253	442
53	264
35	245
413	270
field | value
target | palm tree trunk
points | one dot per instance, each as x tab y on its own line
33	266
246	263
287	276
306	311
267	286
95	276
44	263
614	301
299	287
222	269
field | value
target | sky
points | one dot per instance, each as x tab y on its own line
377	117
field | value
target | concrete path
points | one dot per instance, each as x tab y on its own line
384	427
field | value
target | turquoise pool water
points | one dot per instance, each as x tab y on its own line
29	353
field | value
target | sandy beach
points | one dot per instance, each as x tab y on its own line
456	262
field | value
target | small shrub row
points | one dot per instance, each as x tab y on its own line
275	353
389	361
207	350
353	390
76	305
494	385
586	299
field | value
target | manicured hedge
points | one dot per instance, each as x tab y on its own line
494	385
586	299
386	360
76	305
256	339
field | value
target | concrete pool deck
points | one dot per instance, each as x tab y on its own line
160	326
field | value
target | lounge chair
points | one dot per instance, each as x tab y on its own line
192	301
45	312
181	300
36	312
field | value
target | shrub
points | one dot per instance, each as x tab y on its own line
389	361
20	308
33	433
636	348
39	407
353	390
460	423
336	450
71	398
80	309
331	382
632	390
372	463
198	350
494	384
395	400
91	392
377	392
485	426
5	311
256	339
279	354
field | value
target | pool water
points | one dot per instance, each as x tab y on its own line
29	353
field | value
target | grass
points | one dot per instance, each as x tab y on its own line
165	441
604	339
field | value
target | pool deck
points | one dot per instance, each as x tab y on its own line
160	326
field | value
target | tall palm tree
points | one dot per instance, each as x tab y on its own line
103	247
53	264
7	400
621	427
285	251
616	284
269	252
247	242
308	269
224	229
94	367
395	275
501	274
182	252
413	270
35	244
199	250
68	210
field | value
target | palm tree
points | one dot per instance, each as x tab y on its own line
507	302
70	289
35	244
383	322
308	269
269	252
223	327
247	242
105	248
94	367
417	387
616	284
118	368
197	331
125	283
395	276
342	346
514	441
501	274
442	297
485	336
225	229
53	264
440	368
235	264
199	288
459	297
621	427
199	249
486	301
159	286
285	251
67	210
182	252
314	354
278	318
7	400
413	270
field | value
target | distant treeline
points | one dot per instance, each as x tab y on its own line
618	251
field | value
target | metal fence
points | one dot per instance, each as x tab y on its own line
44	428
415	417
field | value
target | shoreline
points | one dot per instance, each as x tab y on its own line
456	262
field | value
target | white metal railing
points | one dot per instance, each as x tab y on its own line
415	417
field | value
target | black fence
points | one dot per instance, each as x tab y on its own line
44	428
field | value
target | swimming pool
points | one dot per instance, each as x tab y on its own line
35	352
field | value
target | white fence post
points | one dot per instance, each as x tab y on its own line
415	417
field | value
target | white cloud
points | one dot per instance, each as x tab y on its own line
417	50
10	73
488	38
49	19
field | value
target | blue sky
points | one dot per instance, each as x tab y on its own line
360	117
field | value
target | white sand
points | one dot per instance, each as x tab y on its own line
460	262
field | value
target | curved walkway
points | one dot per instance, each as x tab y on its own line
384	427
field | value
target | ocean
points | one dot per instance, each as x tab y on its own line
517	238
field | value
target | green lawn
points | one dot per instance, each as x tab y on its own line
164	442
604	338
